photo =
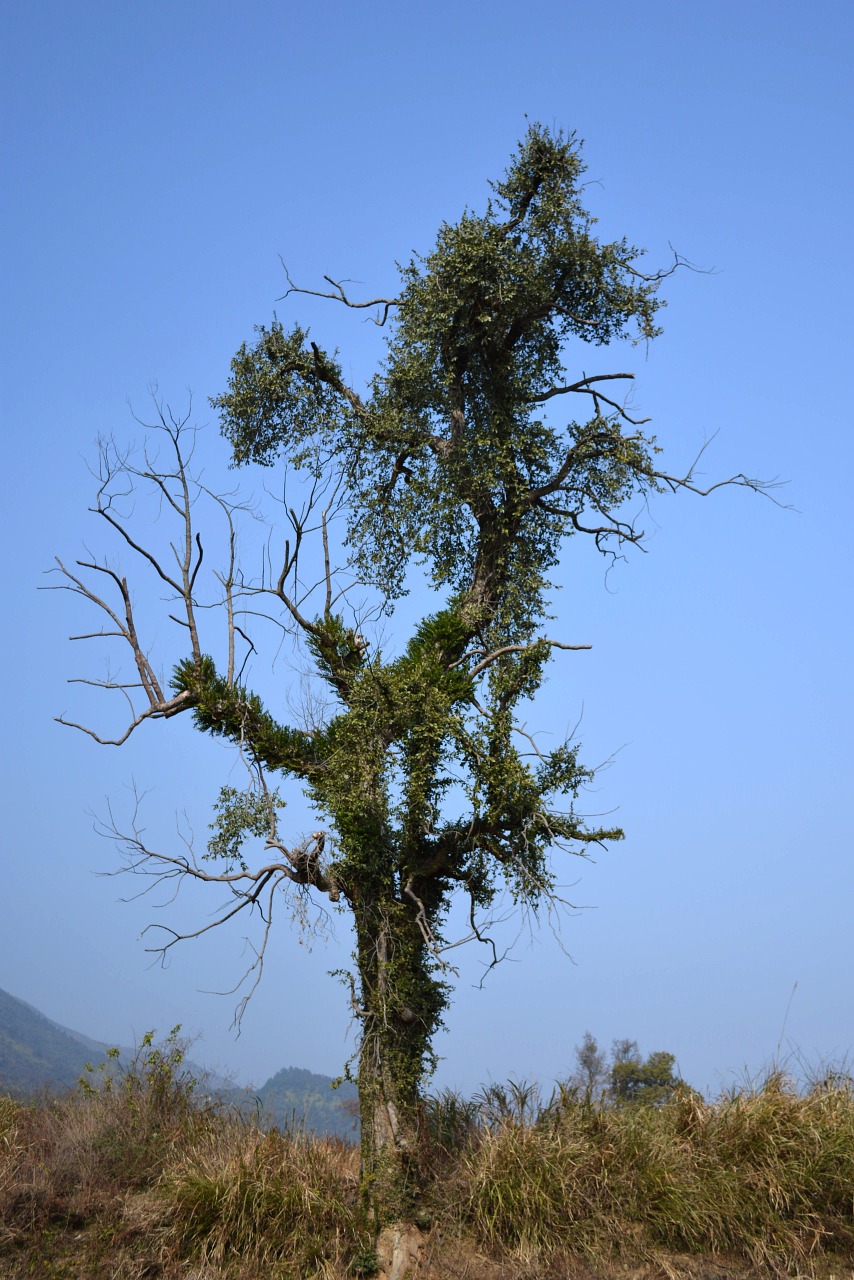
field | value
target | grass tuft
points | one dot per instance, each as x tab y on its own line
267	1198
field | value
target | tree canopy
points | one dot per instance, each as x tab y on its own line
643	1082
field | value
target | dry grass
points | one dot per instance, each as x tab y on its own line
764	1174
281	1202
134	1179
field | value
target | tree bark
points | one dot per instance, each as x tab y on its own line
401	1003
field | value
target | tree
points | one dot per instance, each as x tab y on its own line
633	1080
460	455
591	1071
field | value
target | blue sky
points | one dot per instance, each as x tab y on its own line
158	159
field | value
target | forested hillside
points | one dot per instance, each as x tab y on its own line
36	1053
296	1098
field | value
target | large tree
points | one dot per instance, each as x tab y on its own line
472	453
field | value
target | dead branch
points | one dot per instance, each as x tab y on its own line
164	711
740	480
431	942
339	295
303	523
125	629
120	477
249	891
583	385
488	658
679	263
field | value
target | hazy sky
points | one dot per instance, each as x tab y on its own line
158	159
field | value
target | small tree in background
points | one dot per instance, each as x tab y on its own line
465	454
633	1080
591	1073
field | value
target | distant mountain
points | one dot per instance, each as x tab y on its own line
295	1098
36	1053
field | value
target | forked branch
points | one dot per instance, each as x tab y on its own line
487	658
739	481
249	892
340	296
122	480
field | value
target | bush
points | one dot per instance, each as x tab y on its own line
133	1115
63	1158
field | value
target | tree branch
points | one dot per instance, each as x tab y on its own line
582	385
247	888
163	711
339	295
119	477
489	658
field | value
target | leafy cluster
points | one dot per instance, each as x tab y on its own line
648	1083
449	449
238	814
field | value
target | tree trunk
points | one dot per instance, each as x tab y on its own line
401	1003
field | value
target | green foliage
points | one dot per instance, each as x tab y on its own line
644	1083
153	1072
139	1108
240	814
282	389
229	711
478	336
477	340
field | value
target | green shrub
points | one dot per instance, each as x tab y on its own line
132	1115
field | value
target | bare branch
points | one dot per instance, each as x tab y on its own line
339	295
431	942
740	481
105	684
327	609
163	711
679	263
172	485
489	658
126	630
248	890
585	387
583	384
